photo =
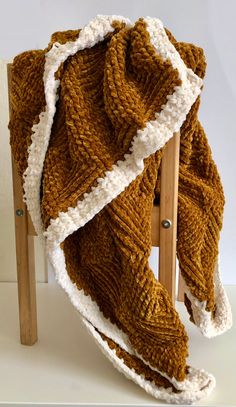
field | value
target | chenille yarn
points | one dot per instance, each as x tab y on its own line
91	115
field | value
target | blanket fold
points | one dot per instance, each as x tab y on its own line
91	115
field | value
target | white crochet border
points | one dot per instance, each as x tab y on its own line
223	316
91	316
196	377
146	142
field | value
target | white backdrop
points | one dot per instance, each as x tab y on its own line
210	24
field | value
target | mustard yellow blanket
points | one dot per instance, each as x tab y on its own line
91	115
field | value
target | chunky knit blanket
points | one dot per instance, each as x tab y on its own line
91	115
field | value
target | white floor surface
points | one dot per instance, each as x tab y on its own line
65	367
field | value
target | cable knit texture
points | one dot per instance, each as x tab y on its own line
91	115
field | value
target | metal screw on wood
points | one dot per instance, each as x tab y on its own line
19	212
166	223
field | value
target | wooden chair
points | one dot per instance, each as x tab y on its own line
164	230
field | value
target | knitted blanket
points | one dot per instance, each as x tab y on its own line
91	115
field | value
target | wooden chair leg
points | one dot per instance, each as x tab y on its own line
24	237
180	296
168	214
25	266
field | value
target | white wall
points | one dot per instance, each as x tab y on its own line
28	24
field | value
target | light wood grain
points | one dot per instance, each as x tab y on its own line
180	296
24	233
31	230
168	210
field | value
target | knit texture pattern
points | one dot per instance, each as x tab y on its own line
97	180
